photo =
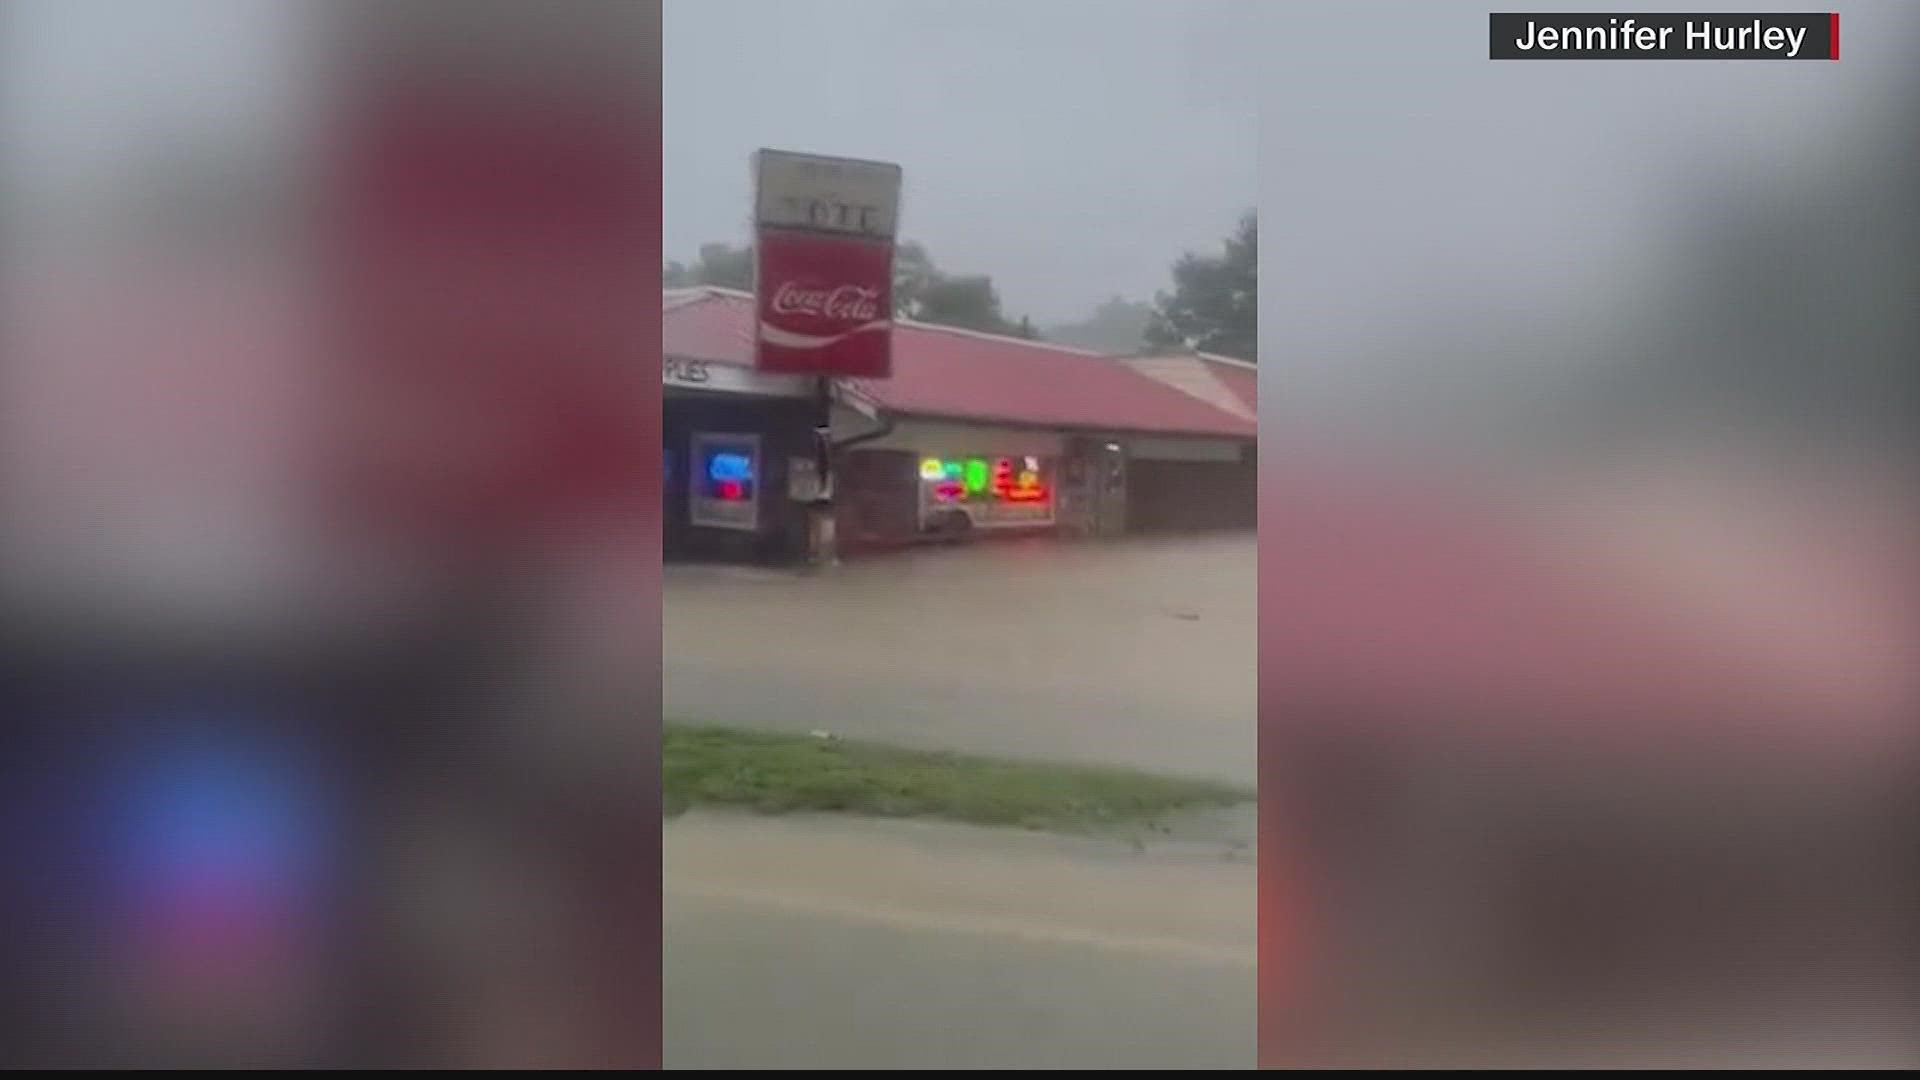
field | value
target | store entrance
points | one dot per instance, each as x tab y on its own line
724	490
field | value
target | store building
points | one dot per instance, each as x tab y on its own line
975	435
1188	487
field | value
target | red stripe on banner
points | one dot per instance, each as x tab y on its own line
1833	35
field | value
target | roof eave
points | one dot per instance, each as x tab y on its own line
1075	429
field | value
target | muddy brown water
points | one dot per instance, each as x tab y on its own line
1135	653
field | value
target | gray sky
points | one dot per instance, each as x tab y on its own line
1070	148
1411	188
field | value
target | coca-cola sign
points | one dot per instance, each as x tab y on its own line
850	302
823	241
825	303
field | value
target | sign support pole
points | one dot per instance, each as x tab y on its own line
821	549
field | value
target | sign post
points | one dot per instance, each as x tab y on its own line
824	230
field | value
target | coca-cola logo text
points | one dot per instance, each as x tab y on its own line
847	303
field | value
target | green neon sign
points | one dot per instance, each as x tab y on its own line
976	475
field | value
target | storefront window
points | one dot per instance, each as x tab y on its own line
990	490
724	481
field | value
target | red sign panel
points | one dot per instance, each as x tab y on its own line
826	304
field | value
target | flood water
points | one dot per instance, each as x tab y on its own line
1138	653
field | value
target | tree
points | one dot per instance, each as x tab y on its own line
922	292
719	264
725	265
1116	326
913	272
969	302
1214	304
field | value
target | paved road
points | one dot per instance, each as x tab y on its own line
1135	653
862	944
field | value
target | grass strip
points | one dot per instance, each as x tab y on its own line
776	773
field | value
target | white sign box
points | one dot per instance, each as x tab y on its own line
730	379
826	194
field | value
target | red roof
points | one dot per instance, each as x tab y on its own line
960	374
1220	381
707	324
1239	377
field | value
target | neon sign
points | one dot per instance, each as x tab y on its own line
732	475
726	476
976	476
1017	486
729	466
1001	490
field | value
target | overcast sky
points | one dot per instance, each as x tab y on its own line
1428	214
1074	148
1070	148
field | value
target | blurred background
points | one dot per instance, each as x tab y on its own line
328	544
1587	524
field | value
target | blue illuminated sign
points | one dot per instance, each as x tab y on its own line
730	466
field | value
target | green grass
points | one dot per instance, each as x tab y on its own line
777	773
